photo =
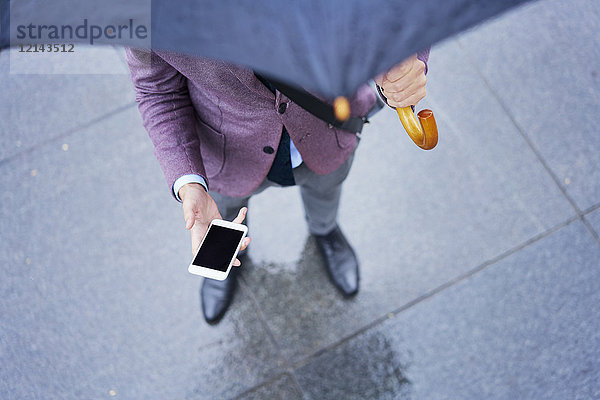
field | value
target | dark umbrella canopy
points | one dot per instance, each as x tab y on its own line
330	46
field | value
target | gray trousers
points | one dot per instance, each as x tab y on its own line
320	196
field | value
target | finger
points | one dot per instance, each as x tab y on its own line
245	243
413	79
416	98
195	246
400	70
407	99
406	86
237	263
406	89
196	235
241	215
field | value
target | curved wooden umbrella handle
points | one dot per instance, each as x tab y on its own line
424	131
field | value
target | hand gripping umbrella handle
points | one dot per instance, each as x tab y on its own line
424	131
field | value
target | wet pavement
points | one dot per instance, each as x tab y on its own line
480	260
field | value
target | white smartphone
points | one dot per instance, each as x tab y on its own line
218	249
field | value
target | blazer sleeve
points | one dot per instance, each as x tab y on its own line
423	55
167	114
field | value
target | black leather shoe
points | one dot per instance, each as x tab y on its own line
216	296
340	261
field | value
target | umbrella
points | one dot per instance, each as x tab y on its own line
328	46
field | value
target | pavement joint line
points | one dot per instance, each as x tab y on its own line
427	295
591	229
68	133
292	373
521	131
591	209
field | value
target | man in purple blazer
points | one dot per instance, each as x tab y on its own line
222	133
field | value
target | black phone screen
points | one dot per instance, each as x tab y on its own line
218	248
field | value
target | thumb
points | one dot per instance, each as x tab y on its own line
241	215
189	215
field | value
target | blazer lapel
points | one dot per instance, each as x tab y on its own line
247	78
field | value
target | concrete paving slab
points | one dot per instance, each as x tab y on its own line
542	61
82	60
96	297
523	328
39	107
417	219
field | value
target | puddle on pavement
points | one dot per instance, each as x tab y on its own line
367	367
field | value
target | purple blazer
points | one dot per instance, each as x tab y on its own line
219	121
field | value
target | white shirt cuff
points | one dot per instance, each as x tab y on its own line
185	179
381	100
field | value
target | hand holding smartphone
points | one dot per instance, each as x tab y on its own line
218	249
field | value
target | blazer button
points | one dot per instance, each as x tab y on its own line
282	108
268	150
